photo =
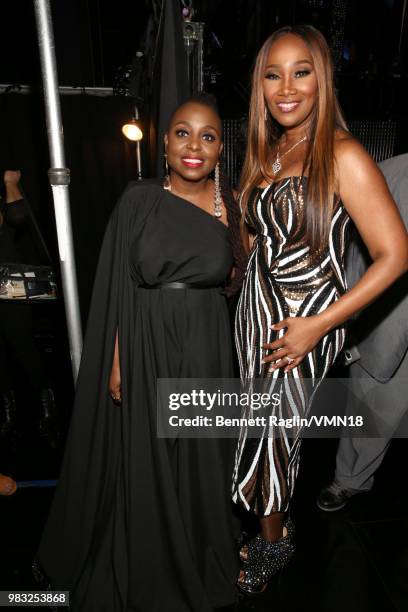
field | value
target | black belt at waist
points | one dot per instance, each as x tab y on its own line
176	285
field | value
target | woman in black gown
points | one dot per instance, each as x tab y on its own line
140	523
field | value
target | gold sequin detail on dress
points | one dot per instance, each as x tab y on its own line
284	278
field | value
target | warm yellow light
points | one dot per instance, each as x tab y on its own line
132	131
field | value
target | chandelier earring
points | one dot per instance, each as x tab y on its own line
217	192
167	184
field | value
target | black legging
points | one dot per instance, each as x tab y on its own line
17	338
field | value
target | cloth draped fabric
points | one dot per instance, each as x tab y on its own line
140	523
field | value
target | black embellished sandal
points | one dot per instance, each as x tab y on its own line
264	560
248	549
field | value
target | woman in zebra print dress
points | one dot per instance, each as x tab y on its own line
304	177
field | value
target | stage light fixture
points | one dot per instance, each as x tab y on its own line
133	130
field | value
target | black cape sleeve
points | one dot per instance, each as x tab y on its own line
89	485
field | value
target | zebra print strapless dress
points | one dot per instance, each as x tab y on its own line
284	278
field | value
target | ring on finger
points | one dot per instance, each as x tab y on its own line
290	359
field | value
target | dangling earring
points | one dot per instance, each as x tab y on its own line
167	184
266	114
217	192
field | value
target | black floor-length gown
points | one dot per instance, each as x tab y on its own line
140	523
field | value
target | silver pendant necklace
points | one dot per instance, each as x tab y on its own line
277	166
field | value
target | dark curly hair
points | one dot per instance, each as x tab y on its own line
231	206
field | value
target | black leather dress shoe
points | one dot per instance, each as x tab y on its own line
334	497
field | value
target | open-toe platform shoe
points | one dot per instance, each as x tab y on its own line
265	559
249	548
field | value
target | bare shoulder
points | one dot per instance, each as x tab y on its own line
347	148
353	163
358	178
341	135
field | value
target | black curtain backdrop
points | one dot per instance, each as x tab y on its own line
100	158
171	88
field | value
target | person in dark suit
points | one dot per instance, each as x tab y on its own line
380	349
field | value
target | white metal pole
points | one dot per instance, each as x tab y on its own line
138	161
138	153
59	177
